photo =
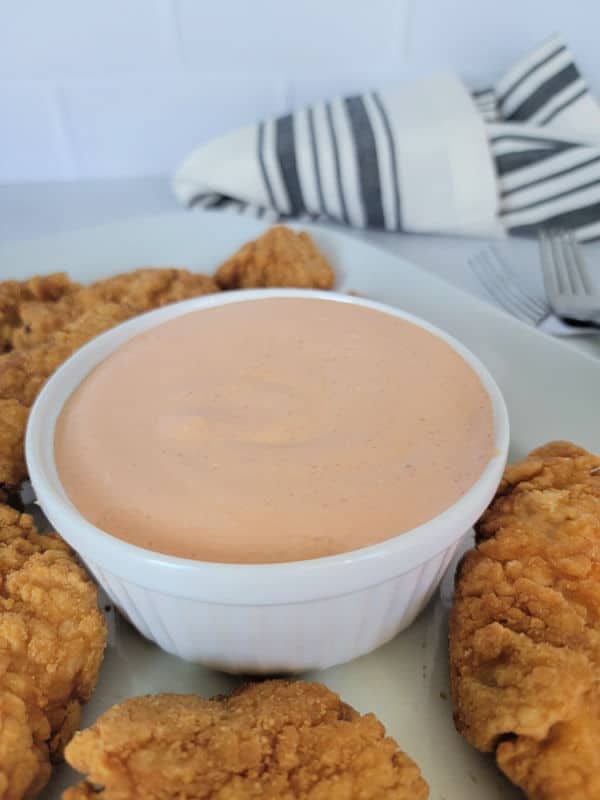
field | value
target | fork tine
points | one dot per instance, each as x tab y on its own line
497	292
569	264
549	273
563	277
538	306
505	288
579	264
571	292
481	274
507	284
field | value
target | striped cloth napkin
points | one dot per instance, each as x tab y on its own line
430	157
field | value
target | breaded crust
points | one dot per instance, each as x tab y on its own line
525	627
139	290
277	740
280	257
52	639
50	332
24	372
43	289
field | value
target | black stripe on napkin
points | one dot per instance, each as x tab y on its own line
566	220
263	167
392	146
551	176
197	200
285	146
316	162
545	92
509	162
559	109
210	200
336	160
367	161
503	98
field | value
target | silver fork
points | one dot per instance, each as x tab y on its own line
569	287
499	281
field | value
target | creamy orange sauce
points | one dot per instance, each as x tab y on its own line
273	430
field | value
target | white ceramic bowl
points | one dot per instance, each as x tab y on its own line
271	618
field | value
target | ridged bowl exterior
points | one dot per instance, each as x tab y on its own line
281	638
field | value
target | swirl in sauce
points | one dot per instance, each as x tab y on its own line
273	430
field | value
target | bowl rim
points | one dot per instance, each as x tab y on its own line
297	581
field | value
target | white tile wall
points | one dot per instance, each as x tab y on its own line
32	140
306	89
480	38
304	37
126	87
45	39
145	125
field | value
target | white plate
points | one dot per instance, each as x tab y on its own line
550	391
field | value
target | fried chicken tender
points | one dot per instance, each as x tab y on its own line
52	640
43	289
57	330
280	257
525	627
24	765
13	421
140	290
277	740
23	373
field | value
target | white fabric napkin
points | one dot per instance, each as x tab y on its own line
430	157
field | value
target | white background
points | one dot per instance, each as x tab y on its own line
116	88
